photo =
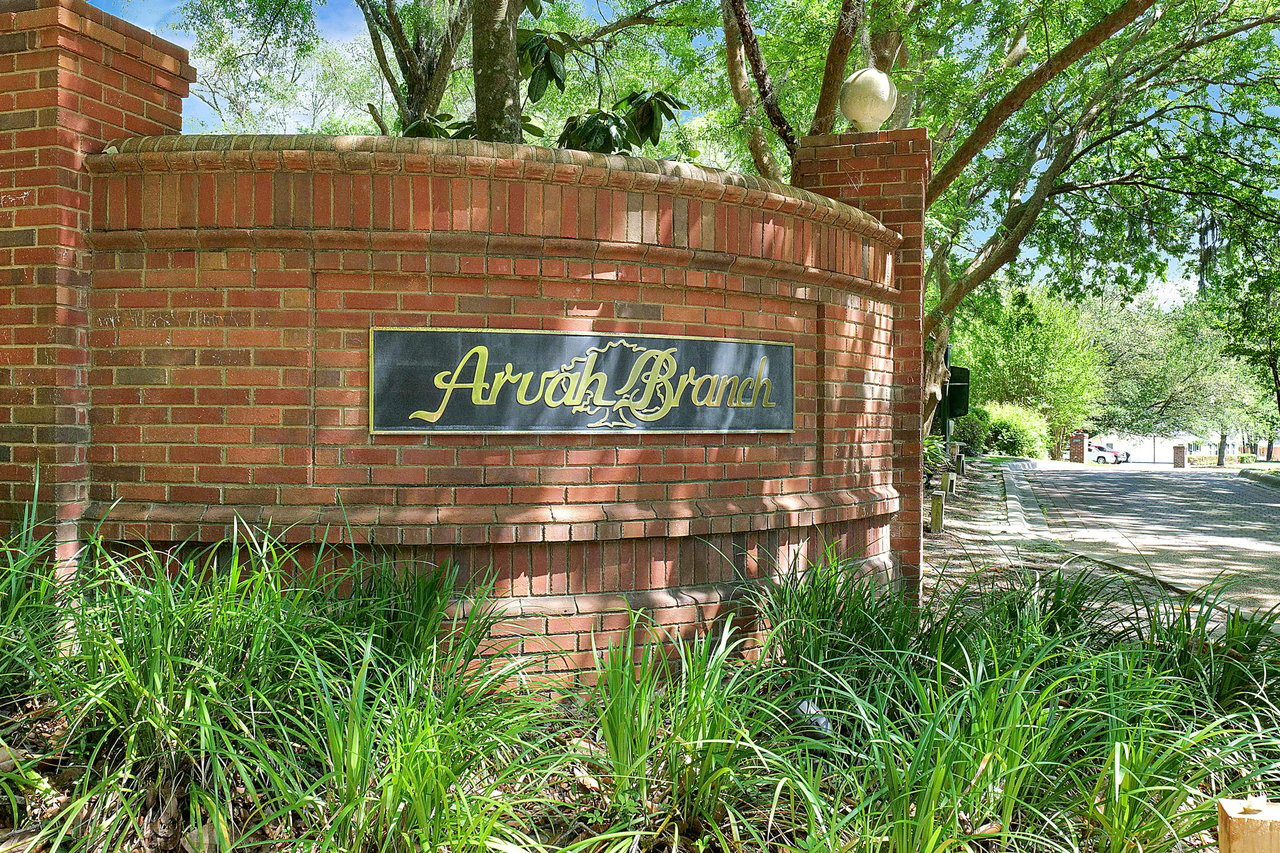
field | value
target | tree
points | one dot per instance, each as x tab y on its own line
1091	166
1033	350
249	76
1080	146
418	49
1171	370
1243	296
1231	403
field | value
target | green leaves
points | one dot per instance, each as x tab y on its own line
641	122
648	112
542	59
445	126
600	131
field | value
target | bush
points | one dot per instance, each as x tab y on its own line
1204	460
1247	458
1017	431
973	430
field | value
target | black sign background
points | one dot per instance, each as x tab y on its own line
405	362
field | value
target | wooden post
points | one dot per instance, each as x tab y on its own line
937	511
960	464
1248	826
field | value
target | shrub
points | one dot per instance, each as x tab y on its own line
1247	458
935	455
1017	431
973	430
237	704
1204	460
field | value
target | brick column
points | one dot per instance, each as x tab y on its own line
1079	450
885	174
71	78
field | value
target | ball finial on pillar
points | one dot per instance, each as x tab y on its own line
867	98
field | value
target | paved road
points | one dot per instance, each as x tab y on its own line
1186	526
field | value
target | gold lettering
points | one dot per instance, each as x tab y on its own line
686	380
654	368
454	382
522	391
710	397
585	394
736	402
504	377
566	382
767	386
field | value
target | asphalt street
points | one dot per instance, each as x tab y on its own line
1187	527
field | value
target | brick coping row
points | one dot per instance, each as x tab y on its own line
795	281
470	158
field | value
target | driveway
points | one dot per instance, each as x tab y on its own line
1187	527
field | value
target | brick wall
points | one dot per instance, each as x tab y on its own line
230	365
208	344
885	173
71	77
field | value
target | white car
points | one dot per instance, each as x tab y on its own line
1105	455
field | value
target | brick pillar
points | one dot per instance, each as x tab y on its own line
1179	456
885	174
1079	446
71	78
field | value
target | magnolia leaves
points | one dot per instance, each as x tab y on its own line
635	121
445	126
542	59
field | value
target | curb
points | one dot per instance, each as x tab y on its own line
1018	498
1270	479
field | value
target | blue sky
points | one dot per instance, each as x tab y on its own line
339	20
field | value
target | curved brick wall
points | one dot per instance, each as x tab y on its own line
231	283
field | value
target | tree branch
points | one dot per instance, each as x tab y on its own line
1003	246
824	115
745	97
380	54
642	17
764	84
378	120
991	123
439	80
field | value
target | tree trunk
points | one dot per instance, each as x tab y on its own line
1275	380
1271	445
935	376
496	70
1222	449
744	95
825	115
764	83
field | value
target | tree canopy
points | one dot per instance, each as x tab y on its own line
1079	144
1030	349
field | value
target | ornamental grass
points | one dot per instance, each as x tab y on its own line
237	698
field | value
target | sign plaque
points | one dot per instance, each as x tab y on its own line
486	380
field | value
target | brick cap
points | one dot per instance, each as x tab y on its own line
857	137
499	160
104	28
